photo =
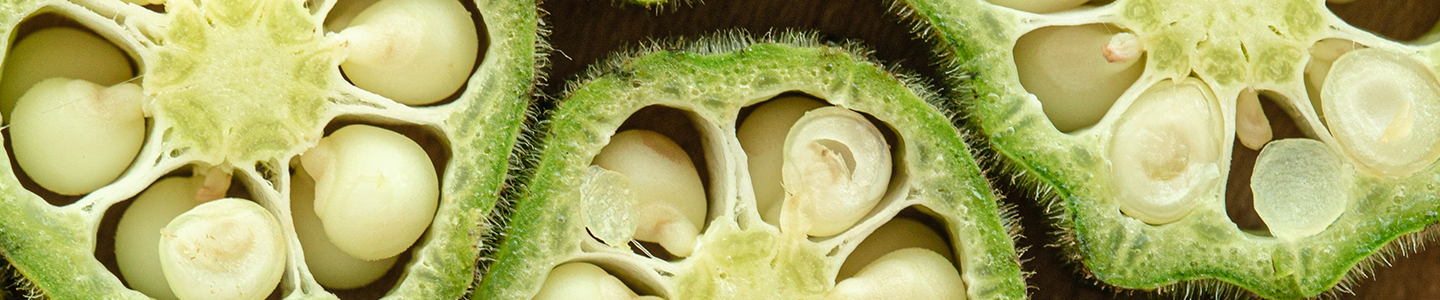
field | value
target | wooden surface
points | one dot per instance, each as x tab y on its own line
586	31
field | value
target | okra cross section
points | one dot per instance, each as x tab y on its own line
1136	121
735	167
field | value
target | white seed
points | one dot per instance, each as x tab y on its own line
1322	55
1251	125
672	203
1040	6
763	138
1300	187
1077	72
837	167
60	52
578	280
1384	108
375	190
416	52
899	233
138	232
911	273
223	249
72	136
331	267
1165	151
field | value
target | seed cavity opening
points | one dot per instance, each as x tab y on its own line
414	52
1077	72
1380	105
584	280
129	233
1284	121
74	122
1165	151
911	228
649	185
376	190
817	168
909	257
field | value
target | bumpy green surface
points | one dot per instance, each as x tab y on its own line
1230	44
714	79
236	82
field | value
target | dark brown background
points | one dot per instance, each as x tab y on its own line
585	31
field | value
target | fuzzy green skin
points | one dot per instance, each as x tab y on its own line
51	246
716	84
1070	169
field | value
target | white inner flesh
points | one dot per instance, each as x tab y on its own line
579	280
610	204
899	233
1077	72
72	136
1251	125
763	138
416	52
331	267
836	168
1165	151
671	203
60	52
1040	6
1384	107
223	249
1300	187
138	232
910	273
375	190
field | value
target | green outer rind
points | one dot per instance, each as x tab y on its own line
1124	252
715	78
481	135
34	235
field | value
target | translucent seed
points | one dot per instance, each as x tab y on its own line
1077	72
1165	151
1300	187
672	203
60	52
72	136
610	203
331	267
1251	125
223	249
1040	6
138	232
375	190
910	273
899	233
1382	107
836	169
578	280
763	138
416	52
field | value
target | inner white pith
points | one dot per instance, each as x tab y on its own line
1077	72
839	168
